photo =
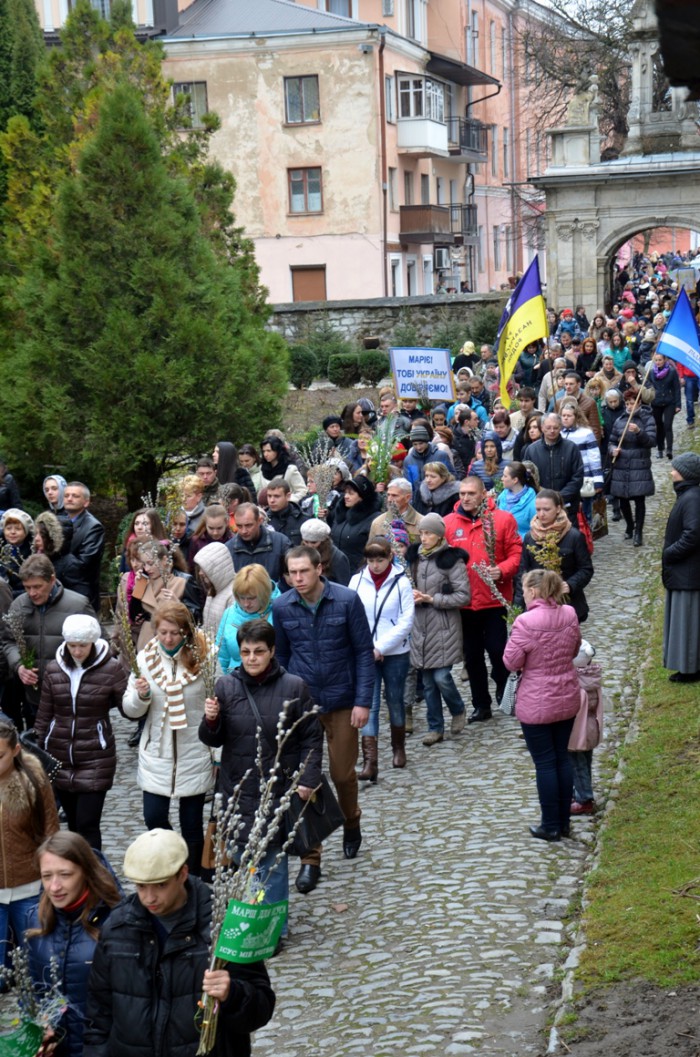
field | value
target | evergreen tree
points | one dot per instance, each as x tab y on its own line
21	54
136	339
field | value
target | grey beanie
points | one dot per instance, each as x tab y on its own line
688	466
314	530
432	523
419	433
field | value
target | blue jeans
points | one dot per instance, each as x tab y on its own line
15	916
692	387
392	671
548	744
436	682
581	763
274	881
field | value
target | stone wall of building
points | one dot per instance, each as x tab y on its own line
378	317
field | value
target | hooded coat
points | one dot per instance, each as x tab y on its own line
73	721
233	617
680	558
13	554
478	466
18	844
54	529
216	563
436	639
389	610
631	472
351	526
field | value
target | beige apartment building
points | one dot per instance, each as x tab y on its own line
380	147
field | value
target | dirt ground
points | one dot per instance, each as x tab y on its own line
636	1020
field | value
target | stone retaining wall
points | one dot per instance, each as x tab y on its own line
377	317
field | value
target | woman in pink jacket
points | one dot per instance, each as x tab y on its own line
543	644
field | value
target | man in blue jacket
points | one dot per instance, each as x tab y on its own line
323	636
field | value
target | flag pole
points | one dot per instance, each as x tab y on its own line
634	407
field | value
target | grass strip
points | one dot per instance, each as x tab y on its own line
636	926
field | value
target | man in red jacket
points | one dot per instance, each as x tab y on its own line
491	538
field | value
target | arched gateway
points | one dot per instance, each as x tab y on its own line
594	206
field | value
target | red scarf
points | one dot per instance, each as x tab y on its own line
379	578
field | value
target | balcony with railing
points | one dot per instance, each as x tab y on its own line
467	139
426	224
464	221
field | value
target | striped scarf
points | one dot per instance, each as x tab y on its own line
172	688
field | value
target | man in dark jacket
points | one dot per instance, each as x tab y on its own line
79	570
150	966
323	636
284	516
40	612
559	464
255	544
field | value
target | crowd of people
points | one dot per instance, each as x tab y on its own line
334	579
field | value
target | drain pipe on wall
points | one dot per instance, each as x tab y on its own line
382	133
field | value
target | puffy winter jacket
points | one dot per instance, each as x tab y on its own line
667	390
576	569
680	558
466	532
440	501
268	550
142	999
329	647
631	471
171	762
586	442
216	563
43	626
543	643
67	951
73	723
235	732
389	610
234	616
436	639
560	467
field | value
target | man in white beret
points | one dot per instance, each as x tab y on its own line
151	966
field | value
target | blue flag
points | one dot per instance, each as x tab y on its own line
679	338
524	320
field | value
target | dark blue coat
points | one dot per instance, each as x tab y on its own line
330	648
72	950
269	552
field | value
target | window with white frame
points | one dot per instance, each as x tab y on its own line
496	248
506	153
195	94
339	7
305	190
494	150
492	46
389	99
393	196
504	52
408	188
301	100
480	249
422	97
424	189
413	19
440	190
509	248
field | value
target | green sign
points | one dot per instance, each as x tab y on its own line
250	932
23	1041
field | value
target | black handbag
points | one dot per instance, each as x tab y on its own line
29	743
315	818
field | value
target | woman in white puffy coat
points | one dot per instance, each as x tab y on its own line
387	596
170	694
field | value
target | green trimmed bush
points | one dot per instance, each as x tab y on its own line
483	326
374	365
344	369
303	366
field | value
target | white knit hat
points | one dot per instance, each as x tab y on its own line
79	627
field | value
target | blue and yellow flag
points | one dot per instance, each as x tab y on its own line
524	320
679	338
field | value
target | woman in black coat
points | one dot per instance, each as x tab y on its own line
663	378
352	519
631	477
228	470
680	572
551	528
253	696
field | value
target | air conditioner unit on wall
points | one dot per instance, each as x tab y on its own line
442	258
387	8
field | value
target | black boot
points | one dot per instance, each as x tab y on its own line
637	540
352	839
629	531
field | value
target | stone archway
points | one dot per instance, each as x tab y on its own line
592	206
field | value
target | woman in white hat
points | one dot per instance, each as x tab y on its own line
80	688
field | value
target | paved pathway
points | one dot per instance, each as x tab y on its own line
444	935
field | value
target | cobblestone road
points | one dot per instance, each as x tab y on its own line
444	935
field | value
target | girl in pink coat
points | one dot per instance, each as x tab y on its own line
543	644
